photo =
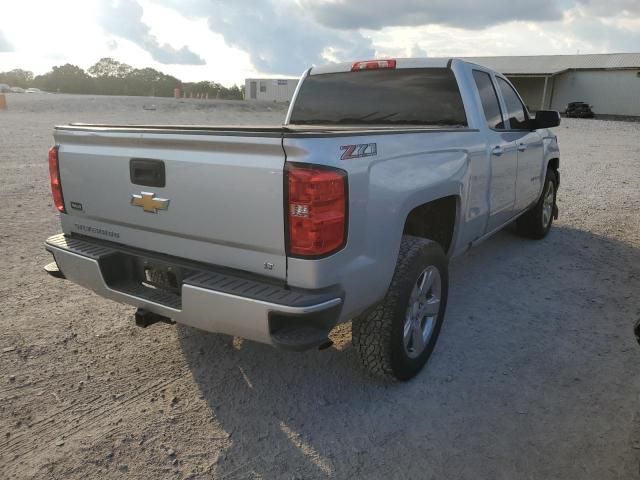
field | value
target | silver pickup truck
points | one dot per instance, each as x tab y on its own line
381	172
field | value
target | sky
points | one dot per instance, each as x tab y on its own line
227	41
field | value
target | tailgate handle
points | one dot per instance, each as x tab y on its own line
147	172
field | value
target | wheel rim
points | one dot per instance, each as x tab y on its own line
547	205
422	312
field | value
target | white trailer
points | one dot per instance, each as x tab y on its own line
270	89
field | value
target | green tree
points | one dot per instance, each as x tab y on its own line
108	67
17	78
147	81
213	89
111	76
65	79
233	93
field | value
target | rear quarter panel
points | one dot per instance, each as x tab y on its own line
409	169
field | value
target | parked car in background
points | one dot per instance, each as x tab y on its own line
33	90
579	110
383	171
16	90
4	88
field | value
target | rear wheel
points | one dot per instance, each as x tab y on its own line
537	222
395	340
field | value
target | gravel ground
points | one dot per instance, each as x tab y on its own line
534	377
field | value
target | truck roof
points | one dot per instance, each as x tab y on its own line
400	63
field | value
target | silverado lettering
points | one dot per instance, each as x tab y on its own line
95	231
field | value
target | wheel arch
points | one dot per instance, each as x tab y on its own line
435	220
554	164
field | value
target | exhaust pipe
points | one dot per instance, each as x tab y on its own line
145	318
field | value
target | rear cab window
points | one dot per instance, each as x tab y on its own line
406	96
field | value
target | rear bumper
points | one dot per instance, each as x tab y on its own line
207	298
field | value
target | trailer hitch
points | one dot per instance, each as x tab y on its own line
145	318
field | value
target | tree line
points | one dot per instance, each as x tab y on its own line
111	77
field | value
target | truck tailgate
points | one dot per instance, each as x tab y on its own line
223	192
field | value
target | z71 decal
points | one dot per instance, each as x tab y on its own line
357	151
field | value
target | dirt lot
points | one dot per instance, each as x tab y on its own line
535	376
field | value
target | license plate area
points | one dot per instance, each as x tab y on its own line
163	277
124	270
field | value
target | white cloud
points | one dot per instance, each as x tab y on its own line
68	32
5	46
470	14
123	18
280	36
247	38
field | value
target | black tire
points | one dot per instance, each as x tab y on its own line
532	224
378	335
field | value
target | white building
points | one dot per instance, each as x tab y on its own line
610	82
270	89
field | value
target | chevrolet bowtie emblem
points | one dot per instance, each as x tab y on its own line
149	203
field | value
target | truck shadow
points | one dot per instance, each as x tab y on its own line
526	326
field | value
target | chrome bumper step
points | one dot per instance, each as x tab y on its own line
202	276
200	295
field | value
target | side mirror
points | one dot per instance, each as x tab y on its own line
546	119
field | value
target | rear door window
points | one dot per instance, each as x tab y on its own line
517	114
489	99
405	96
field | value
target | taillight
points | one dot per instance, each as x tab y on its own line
54	175
373	65
316	210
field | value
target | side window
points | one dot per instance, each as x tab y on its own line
263	87
489	99
515	110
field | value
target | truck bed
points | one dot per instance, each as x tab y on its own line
283	131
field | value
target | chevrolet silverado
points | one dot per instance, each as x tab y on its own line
382	171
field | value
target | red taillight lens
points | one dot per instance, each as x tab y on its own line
54	175
373	65
316	210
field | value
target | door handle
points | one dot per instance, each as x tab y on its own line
147	172
497	151
522	147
